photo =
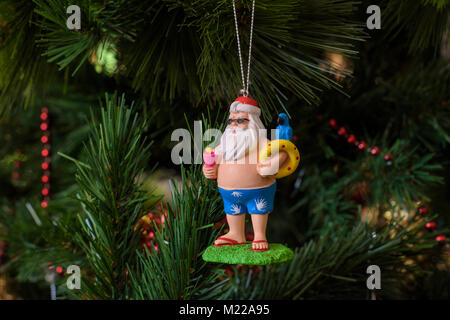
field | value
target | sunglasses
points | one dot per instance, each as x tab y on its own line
239	121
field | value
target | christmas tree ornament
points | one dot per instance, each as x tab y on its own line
375	150
431	226
423	210
333	123
45	153
146	226
246	165
362	145
342	131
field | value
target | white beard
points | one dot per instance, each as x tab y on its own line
235	145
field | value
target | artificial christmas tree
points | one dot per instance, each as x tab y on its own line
370	115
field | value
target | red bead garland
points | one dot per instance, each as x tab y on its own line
432	225
45	153
375	150
361	145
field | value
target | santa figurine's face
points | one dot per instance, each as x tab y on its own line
238	119
240	136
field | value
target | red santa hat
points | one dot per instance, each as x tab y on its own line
245	104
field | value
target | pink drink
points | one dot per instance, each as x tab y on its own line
209	157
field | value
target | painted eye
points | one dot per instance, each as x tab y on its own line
280	121
230	121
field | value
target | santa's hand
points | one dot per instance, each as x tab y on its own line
266	168
210	173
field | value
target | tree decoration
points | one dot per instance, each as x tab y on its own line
45	153
247	188
148	225
375	150
360	144
431	225
173	56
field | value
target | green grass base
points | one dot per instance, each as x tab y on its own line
243	254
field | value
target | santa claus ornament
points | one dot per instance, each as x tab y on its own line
246	165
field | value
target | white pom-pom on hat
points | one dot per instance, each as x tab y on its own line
245	104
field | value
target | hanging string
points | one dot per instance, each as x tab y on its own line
245	84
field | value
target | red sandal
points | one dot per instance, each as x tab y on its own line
260	241
231	242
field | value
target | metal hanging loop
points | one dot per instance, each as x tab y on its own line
245	84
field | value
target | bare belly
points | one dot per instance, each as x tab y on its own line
241	176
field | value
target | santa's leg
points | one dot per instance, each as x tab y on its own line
236	224
259	222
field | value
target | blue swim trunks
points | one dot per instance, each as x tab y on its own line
253	201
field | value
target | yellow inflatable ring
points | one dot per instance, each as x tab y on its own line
273	147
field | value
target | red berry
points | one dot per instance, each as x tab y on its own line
441	238
431	225
44	139
362	145
59	270
423	210
333	123
45	152
44	116
45	110
45	165
45	191
44	204
44	126
342	131
45	179
375	150
351	139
